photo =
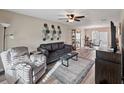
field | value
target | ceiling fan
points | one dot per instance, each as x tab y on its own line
72	18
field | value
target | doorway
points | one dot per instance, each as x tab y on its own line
78	39
100	39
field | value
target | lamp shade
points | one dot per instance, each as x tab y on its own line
5	24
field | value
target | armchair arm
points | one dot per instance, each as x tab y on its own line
23	72
5	60
43	51
38	59
68	46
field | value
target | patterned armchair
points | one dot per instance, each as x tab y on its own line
20	67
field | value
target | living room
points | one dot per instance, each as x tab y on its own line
77	33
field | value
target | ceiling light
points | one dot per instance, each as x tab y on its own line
5	24
70	20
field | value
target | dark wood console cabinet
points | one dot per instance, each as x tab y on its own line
107	67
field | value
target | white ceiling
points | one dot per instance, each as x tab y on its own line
94	17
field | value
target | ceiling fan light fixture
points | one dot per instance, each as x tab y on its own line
71	20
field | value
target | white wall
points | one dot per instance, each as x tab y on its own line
28	30
82	36
1	39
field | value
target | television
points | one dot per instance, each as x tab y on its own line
122	46
113	37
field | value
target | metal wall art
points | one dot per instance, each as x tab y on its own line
51	34
59	33
46	32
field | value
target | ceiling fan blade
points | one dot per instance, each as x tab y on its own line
79	16
62	18
76	20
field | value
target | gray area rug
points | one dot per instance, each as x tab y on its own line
73	74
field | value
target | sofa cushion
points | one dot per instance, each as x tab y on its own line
20	59
67	49
55	46
19	54
18	51
60	52
61	45
46	46
52	56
